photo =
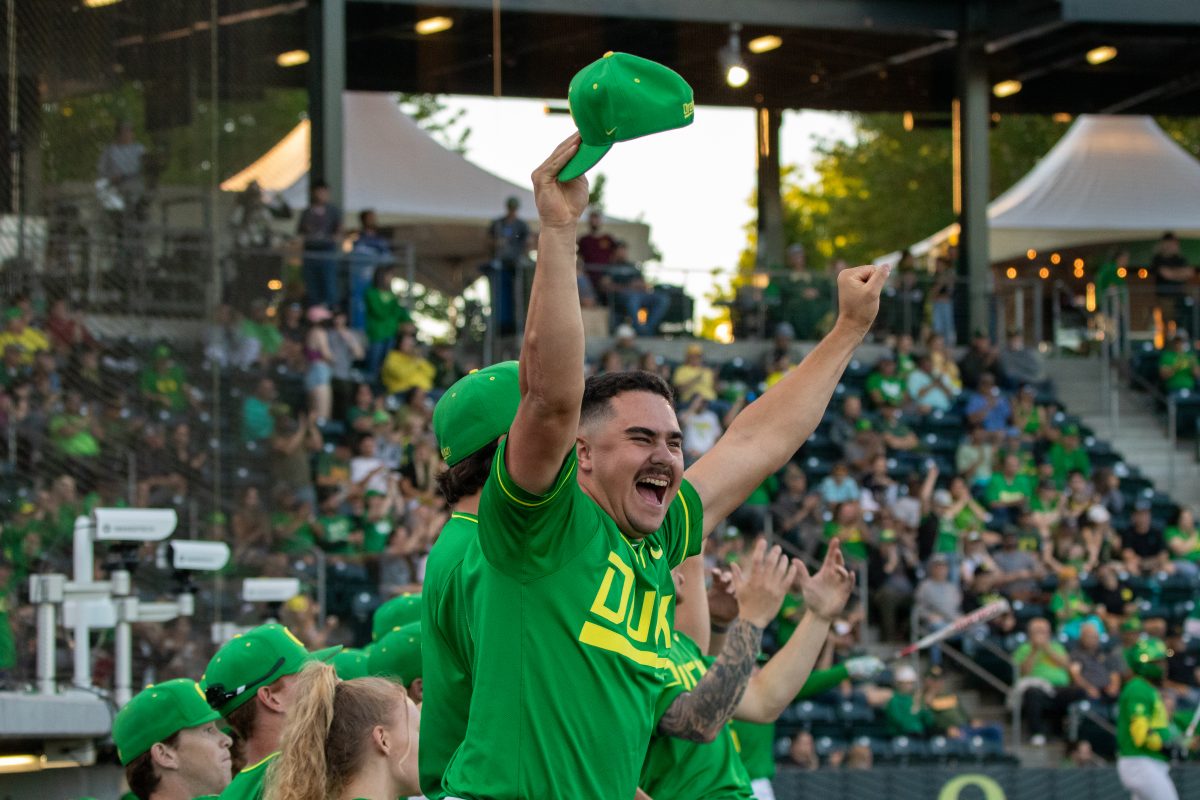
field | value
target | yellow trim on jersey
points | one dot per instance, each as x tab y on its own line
687	524
253	767
592	634
464	517
500	478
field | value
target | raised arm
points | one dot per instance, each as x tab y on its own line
698	715
551	363
783	677
770	430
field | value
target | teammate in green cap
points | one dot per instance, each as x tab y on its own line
169	743
584	514
403	609
468	421
397	656
1143	728
351	663
251	682
346	740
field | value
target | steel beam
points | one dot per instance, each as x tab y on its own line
974	91
896	16
326	83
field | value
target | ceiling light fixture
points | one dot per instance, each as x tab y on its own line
1006	88
292	58
764	44
432	25
730	56
1098	55
100	3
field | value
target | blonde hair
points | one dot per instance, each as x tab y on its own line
328	732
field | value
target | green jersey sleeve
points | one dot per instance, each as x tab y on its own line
526	535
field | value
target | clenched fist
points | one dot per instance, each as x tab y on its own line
858	296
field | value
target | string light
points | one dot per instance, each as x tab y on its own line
1143	273
1122	273
1011	272
1031	254
1006	88
1043	273
1055	259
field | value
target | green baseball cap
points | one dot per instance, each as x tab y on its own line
478	409
622	97
397	612
1145	652
253	659
351	663
397	655
158	712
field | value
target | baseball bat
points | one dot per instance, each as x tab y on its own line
981	614
1191	728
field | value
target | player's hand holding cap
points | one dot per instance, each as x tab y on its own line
476	411
156	714
623	97
256	658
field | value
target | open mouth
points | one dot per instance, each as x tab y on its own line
652	489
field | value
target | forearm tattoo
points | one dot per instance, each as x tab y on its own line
699	714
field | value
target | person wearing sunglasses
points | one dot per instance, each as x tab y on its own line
251	682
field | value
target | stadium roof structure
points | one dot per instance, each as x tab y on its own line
854	55
1109	179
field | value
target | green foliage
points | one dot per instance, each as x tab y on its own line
887	188
75	130
596	191
431	114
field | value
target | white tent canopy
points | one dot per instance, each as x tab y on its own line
430	196
1109	179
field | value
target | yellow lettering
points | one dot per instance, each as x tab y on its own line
641	631
662	627
600	604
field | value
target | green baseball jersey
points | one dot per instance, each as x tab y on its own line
683	769
446	651
572	624
755	742
248	784
1141	701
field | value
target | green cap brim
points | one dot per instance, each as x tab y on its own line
589	155
326	654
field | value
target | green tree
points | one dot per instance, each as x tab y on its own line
886	188
428	111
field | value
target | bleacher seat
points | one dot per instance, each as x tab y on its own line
906	749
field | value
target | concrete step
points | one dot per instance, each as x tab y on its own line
1051	755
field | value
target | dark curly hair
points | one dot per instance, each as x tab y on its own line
467	476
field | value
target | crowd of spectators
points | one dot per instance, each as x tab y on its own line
950	481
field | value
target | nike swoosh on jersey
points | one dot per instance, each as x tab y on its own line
655	553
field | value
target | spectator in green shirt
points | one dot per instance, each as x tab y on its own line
1183	540
385	317
1008	491
1178	368
1045	680
1070	607
259	327
164	384
906	712
884	386
74	430
1067	455
258	423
